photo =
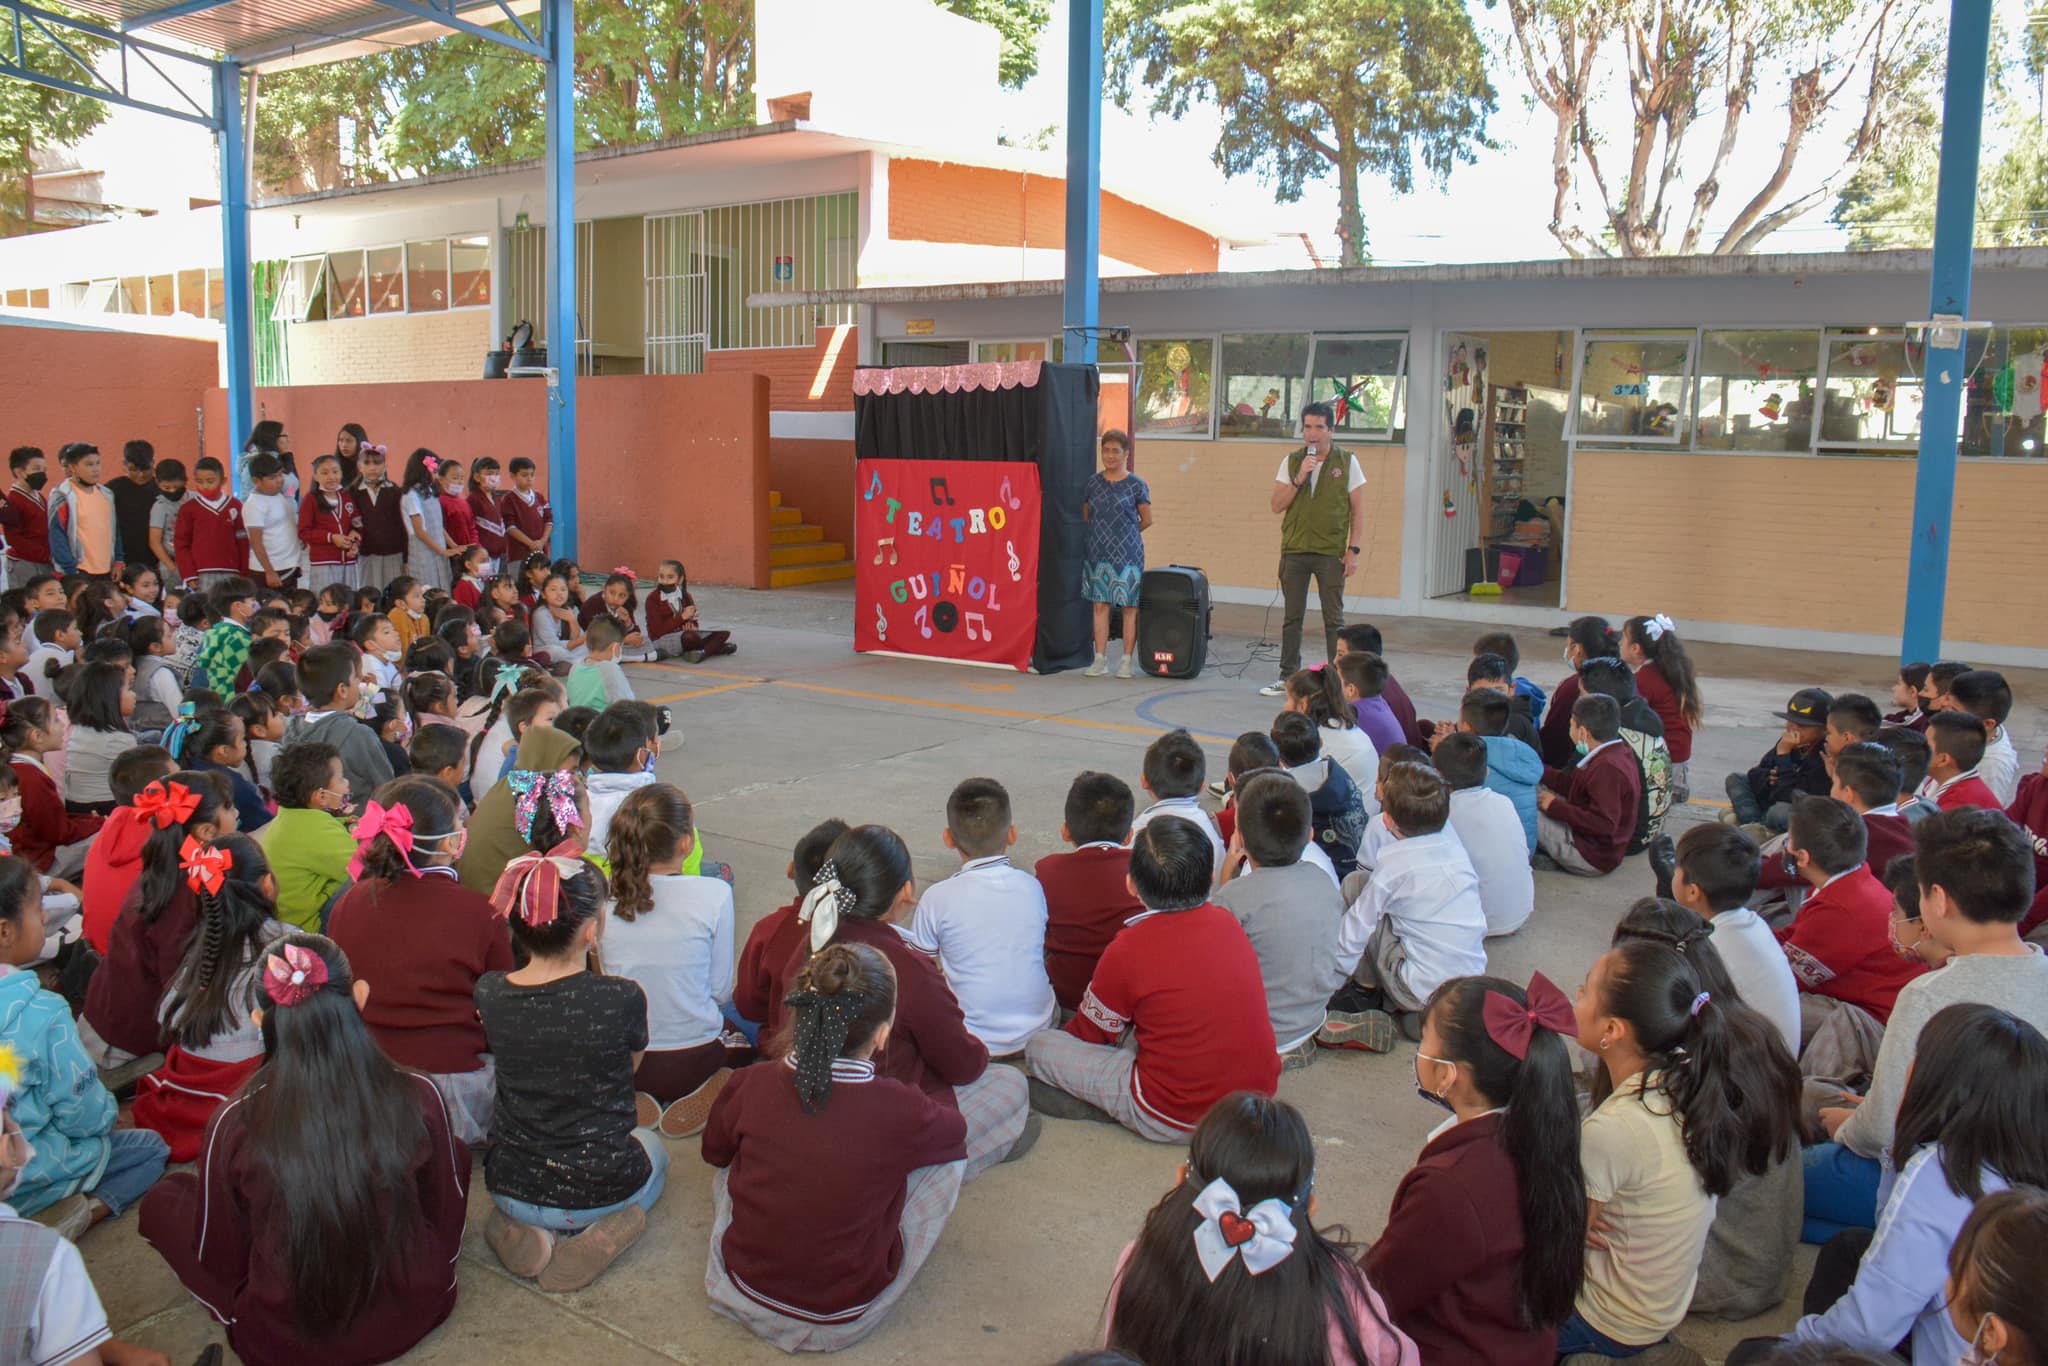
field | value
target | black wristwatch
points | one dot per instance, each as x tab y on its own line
1356	551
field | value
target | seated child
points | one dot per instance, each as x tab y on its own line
571	1176
672	933
405	604
379	653
308	846
57	642
1797	763
1288	909
1363	637
206	1012
328	673
1642	731
536	703
1088	899
1956	750
1714	873
616	600
423	941
672	621
1502	644
441	752
620	748
867	1166
1491	672
263	722
231	606
1365	679
1995	1266
1852	717
1866	780
1174	771
1417	924
1513	769
1910	748
1587	814
1250	1167
157	690
220	743
1318	694
1840	944
1984	694
115	859
1906	697
83	1169
99	705
189	640
597	680
1337	805
245	1247
54	840
1487	825
775	936
986	924
1185	979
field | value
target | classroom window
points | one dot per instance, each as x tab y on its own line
1755	390
192	292
469	272
2002	403
133	295
1367	375
426	276
386	267
1009	352
1632	390
345	294
101	296
163	295
1175	386
1870	396
1265	380
302	292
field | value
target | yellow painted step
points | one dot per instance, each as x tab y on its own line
819	552
795	535
780	516
810	573
774	499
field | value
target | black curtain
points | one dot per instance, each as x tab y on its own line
1051	424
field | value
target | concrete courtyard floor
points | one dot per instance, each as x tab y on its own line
796	728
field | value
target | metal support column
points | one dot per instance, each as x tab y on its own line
560	18
237	291
1084	179
1955	228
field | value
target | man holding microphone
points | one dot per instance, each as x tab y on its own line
1320	492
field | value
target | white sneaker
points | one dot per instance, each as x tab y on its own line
1123	670
1277	688
1099	667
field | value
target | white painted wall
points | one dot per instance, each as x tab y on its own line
893	69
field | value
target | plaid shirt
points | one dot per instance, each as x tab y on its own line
222	656
187	642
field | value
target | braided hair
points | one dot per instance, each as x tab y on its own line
202	1001
840	1001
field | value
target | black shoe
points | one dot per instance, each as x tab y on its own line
1353	999
1663	859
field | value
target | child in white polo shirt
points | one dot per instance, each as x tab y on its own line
1174	770
986	923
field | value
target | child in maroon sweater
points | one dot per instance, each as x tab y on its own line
486	504
48	835
1957	740
1087	890
2029	811
834	1181
774	938
209	539
422	941
1840	944
1586	814
672	621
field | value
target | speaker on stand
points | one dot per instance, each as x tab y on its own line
1173	622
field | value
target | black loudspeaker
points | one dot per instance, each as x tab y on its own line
1173	622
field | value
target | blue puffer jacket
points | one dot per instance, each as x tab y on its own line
1514	770
60	1105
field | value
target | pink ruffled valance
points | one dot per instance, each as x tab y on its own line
947	379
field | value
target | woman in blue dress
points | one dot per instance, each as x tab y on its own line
1118	509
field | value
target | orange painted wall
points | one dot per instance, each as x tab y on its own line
1797	542
816	477
931	201
59	385
668	465
816	378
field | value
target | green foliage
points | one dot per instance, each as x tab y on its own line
1019	21
32	117
1311	86
645	70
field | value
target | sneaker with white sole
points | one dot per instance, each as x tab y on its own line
1123	670
1277	688
1099	667
688	1116
1368	1031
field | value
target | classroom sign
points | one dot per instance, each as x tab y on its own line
947	559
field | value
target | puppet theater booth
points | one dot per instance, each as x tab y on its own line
968	536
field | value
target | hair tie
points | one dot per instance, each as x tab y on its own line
827	900
819	1024
1699	1003
292	975
531	885
206	866
163	804
558	786
433	464
1512	1026
1656	626
627	571
1263	1235
394	822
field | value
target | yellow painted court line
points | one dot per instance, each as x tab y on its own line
971	709
706	692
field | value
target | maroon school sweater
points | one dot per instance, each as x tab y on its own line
121	1001
1397	702
27	519
769	945
1887	837
1840	945
1086	905
816	1199
1600	797
210	539
1449	1264
383	523
421	943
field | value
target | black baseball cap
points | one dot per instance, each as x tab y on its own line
1808	707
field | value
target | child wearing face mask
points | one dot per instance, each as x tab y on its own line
673	625
422	940
50	837
308	846
486	505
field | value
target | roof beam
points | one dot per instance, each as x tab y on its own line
77	76
131	23
445	14
412	22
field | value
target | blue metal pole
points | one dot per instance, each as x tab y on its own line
561	199
1955	230
1084	179
237	289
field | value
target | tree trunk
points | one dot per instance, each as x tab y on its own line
1350	219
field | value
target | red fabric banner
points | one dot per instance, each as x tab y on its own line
947	558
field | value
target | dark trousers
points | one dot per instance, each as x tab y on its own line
1834	1271
1295	572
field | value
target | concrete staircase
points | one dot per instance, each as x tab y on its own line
798	552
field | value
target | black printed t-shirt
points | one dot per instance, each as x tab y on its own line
562	1136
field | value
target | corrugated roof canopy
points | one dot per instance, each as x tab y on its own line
282	33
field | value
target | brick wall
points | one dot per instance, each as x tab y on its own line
392	349
1211	509
1798	542
932	201
795	372
59	385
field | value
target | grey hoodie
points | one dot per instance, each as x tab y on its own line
363	761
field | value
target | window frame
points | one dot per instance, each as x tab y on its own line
1681	434
1397	406
1136	369
300	298
1875	448
1696	446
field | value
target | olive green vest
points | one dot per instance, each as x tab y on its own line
1318	521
